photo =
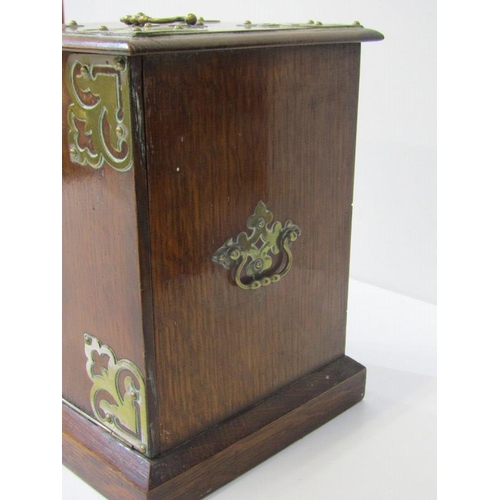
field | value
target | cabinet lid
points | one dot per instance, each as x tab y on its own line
141	34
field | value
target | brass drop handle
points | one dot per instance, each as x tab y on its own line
140	19
252	255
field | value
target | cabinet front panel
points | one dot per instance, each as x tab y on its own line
224	131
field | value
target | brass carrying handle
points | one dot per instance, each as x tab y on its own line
273	278
252	255
140	19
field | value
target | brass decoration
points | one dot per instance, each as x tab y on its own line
141	19
118	394
309	24
142	25
252	255
99	114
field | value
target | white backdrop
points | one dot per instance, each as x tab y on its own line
394	224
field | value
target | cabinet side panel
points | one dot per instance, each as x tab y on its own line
225	130
101	272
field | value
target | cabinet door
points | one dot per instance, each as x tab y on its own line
225	130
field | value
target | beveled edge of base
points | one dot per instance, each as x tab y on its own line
220	454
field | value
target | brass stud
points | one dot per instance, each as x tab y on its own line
120	65
178	27
72	23
310	21
119	131
84	71
136	28
318	23
103	28
133	395
86	337
142	448
148	25
247	22
73	152
107	417
191	19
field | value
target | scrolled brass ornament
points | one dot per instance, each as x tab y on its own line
262	257
99	115
118	394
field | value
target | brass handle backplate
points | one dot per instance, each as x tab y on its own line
251	256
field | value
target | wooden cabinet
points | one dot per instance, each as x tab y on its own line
207	198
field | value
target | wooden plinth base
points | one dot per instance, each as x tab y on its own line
219	455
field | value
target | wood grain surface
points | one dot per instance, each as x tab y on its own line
103	233
225	129
202	465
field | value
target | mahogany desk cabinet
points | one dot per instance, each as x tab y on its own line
207	195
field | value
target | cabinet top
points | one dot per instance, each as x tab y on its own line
141	34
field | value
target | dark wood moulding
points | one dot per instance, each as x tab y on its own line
131	46
198	467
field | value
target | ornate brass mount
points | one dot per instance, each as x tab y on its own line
141	19
99	114
309	24
251	255
118	394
